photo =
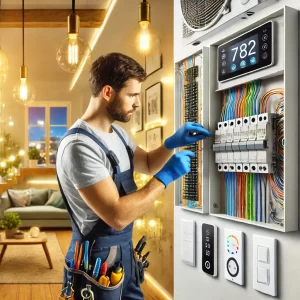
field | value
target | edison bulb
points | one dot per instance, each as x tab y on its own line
72	52
23	92
144	38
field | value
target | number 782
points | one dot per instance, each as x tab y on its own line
243	50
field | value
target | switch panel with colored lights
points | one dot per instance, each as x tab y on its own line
234	256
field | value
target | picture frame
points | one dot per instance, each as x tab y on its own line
137	119
153	61
153	138
153	103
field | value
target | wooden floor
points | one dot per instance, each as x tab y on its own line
46	291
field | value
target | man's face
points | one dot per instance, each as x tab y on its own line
121	105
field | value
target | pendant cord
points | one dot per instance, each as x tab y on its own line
73	6
23	30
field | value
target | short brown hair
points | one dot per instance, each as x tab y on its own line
114	69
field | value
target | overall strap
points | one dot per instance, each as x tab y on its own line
129	150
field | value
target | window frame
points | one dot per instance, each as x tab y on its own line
47	105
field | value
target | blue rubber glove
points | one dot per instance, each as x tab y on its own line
189	133
178	165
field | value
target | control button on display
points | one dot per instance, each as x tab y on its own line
207	265
224	63
265	46
252	60
243	64
223	56
233	67
265	55
264	37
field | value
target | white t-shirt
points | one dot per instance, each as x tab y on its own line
81	162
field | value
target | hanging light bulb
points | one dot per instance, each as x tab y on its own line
144	21
23	92
3	67
73	51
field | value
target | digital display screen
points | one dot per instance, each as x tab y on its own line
246	53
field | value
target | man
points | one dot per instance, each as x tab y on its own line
95	163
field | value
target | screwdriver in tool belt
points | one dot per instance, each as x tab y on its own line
141	249
144	257
139	244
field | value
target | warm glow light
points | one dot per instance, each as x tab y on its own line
144	177
40	122
139	222
23	89
21	152
38	146
12	158
152	223
141	146
3	164
73	50
11	123
133	131
157	287
167	80
144	39
42	181
1	139
93	42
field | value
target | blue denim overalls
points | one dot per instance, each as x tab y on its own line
105	242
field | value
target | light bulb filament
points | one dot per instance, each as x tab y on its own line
144	39
73	51
23	89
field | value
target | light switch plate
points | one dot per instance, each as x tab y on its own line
188	242
234	256
265	264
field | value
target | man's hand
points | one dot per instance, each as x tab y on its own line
178	165
189	133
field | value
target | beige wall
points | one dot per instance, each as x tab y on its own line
120	35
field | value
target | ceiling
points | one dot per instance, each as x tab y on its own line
40	48
55	4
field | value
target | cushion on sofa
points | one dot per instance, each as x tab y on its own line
56	200
40	212
38	196
19	198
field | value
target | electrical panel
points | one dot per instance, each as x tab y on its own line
252	111
191	81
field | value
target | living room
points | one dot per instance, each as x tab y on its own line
31	130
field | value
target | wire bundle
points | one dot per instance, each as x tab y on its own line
246	193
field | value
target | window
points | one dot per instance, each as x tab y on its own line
46	122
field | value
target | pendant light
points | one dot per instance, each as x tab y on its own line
72	51
23	92
144	21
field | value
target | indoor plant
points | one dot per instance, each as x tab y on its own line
10	222
33	155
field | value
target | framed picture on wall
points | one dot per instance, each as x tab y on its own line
153	60
137	119
153	102
153	138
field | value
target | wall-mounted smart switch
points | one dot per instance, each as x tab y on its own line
234	256
209	249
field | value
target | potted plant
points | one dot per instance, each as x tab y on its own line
33	155
10	222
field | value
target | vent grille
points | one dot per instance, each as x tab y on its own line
200	15
186	31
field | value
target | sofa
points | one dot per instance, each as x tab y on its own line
36	207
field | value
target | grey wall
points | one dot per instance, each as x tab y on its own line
192	282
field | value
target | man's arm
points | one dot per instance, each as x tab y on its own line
151	162
118	212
